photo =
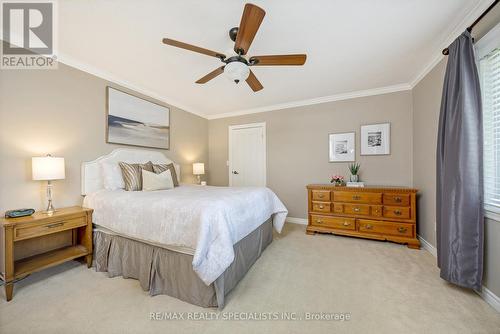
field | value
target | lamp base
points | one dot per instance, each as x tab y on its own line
50	208
198	178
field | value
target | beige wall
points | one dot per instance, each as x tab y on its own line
62	112
297	145
426	108
426	104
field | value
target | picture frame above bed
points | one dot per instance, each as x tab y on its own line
134	121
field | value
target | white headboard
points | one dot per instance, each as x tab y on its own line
91	171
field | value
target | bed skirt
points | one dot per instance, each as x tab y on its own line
166	272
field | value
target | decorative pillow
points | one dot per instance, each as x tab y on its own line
132	174
112	176
160	168
152	181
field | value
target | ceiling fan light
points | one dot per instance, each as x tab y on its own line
237	71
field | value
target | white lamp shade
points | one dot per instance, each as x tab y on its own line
237	71
198	168
47	168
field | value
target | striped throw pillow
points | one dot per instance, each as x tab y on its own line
160	168
132	174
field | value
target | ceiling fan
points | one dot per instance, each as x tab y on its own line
237	67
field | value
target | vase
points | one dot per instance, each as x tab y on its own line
354	178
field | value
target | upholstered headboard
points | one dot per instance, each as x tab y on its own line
92	174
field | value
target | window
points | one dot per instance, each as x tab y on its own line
488	54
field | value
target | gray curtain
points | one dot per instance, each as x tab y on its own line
459	195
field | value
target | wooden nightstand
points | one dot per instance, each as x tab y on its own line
18	234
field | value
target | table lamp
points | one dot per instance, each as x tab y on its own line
48	169
198	169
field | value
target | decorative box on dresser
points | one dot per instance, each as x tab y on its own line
381	213
33	243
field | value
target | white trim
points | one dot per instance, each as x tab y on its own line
317	100
428	246
230	140
485	293
124	83
470	15
293	220
492	215
490	298
488	42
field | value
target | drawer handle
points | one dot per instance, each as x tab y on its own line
397	212
357	209
356	197
398	199
347	224
321	207
321	195
319	221
402	229
369	227
55	225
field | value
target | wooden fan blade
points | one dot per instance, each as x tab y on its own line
194	48
211	75
254	83
250	21
298	59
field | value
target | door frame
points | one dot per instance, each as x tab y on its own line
230	141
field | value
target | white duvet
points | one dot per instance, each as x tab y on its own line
207	220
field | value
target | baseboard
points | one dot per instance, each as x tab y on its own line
485	293
490	298
428	246
293	220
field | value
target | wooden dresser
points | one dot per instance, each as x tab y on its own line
381	213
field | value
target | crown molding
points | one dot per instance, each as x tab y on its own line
470	15
317	100
69	61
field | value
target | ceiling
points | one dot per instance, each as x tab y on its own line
352	46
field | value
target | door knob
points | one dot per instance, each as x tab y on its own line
235	172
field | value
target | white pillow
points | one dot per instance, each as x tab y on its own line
112	176
153	181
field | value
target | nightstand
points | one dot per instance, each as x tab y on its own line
18	234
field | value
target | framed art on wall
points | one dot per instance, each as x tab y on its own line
135	121
376	139
342	147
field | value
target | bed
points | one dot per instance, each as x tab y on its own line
192	242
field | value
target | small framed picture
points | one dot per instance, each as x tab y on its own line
342	147
376	139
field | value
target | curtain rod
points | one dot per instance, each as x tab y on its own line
469	29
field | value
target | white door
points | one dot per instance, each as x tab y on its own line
247	155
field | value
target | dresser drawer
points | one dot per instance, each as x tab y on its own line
388	228
397	199
376	210
338	207
396	212
357	197
320	195
357	209
31	230
321	207
333	222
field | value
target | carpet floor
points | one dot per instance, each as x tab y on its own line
301	284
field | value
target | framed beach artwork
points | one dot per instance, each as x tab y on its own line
342	147
376	139
135	121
